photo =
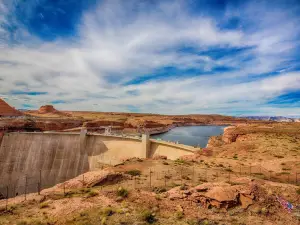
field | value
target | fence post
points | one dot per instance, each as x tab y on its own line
250	169
193	174
165	178
181	175
150	176
6	203
38	187
25	187
82	180
40	179
64	188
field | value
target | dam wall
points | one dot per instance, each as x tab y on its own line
48	158
172	151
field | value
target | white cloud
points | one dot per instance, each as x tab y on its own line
115	45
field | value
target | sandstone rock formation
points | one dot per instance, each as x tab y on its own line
92	178
7	110
47	109
215	141
219	195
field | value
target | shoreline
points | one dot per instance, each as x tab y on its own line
167	129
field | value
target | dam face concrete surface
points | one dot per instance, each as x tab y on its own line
24	157
33	161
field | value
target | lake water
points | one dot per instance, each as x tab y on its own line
191	135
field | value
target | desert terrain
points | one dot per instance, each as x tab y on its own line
248	175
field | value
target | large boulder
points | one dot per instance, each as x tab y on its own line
91	179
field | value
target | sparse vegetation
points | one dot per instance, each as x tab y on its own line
286	168
148	216
180	162
44	205
159	190
183	187
122	192
92	194
134	172
107	211
179	215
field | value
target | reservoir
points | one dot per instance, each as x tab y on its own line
191	135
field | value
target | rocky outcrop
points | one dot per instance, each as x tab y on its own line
92	178
215	141
34	124
7	110
229	136
219	195
47	109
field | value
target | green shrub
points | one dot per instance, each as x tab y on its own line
179	215
148	216
183	187
44	205
286	169
159	190
84	190
122	192
108	211
180	161
298	191
103	221
134	172
92	194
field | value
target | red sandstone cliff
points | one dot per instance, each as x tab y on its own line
7	110
49	109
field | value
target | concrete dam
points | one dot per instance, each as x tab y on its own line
36	160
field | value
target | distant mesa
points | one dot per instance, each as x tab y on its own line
7	110
47	109
273	118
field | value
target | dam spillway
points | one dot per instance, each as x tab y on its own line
36	158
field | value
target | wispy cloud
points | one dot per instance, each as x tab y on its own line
162	57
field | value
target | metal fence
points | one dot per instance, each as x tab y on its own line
174	176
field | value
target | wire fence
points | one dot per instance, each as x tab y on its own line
154	179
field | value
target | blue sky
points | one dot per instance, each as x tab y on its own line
171	57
